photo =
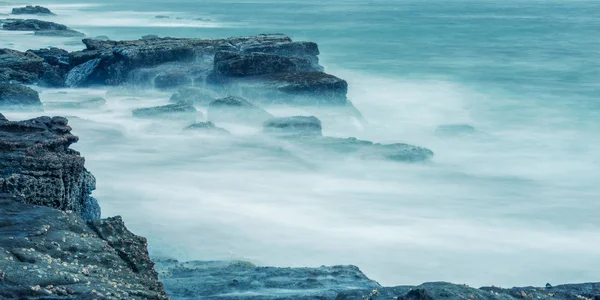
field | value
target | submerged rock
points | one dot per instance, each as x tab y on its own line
31	10
194	95
206	127
171	111
236	110
49	254
242	280
297	125
13	96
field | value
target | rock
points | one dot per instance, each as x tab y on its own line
150	36
22	67
324	88
236	110
37	26
55	57
3	118
52	78
306	50
242	280
49	254
171	80
194	95
60	33
13	96
80	75
31	10
298	125
206	127
37	164
94	102
101	38
171	111
455	130
162	17
91	209
233	64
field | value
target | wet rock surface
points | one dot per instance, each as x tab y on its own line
206	127
21	67
13	96
297	125
38	26
31	10
236	110
46	253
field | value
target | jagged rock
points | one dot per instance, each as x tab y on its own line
22	67
206	127
36	25
234	64
52	78
53	56
80	74
14	96
171	111
31	10
455	129
150	36
172	80
51	254
242	280
306	50
297	125
236	110
37	164
94	102
3	118
194	95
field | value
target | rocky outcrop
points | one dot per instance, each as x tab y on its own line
170	111
38	26
297	125
235	64
47	253
236	110
206	127
16	96
22	67
243	280
31	10
195	96
37	165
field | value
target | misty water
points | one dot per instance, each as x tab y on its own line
515	204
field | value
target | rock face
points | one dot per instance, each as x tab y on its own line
171	111
242	280
79	75
234	64
194	95
16	96
51	254
38	26
37	165
22	67
236	110
31	10
298	125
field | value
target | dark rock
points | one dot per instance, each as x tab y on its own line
194	95
13	96
33	25
418	294
171	80
3	118
94	102
236	110
206	127
55	57
171	111
455	130
80	75
52	78
46	252
162	17
60	33
325	88
150	36
22	67
31	10
234	64
242	280
90	209
306	50
297	125
37	164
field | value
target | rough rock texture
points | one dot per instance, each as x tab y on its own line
235	64
59	33
37	25
297	125
242	280
22	67
236	110
79	75
51	254
194	95
31	10
174	111
37	164
13	96
206	127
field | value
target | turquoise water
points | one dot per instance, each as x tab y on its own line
515	205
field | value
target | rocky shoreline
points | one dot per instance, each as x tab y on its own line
53	242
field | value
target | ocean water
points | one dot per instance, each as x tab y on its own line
515	204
